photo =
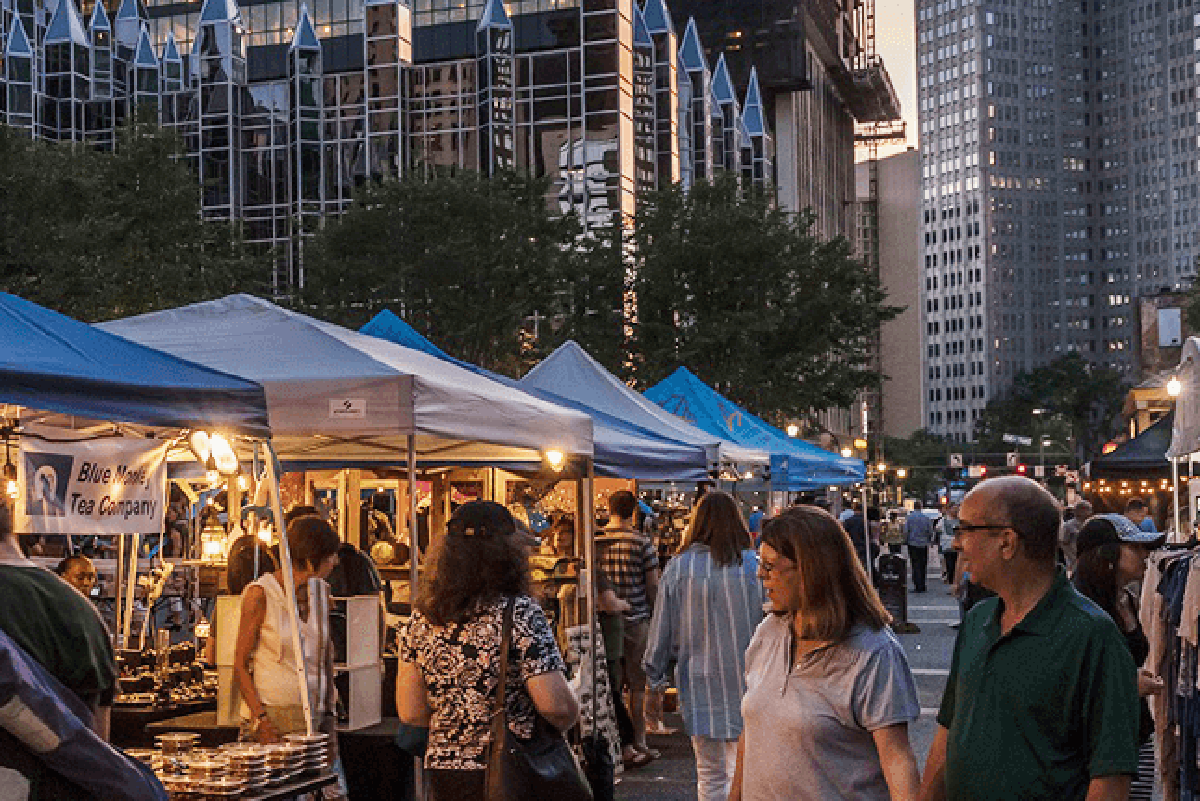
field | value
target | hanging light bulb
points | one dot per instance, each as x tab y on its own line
10	473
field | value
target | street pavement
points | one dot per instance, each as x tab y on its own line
673	776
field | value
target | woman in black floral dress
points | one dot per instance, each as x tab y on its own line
449	654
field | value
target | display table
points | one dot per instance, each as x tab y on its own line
205	724
127	724
374	765
285	792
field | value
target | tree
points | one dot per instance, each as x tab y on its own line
925	456
1080	403
745	294
103	235
473	263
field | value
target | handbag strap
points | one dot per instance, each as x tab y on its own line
499	708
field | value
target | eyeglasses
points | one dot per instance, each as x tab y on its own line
967	528
767	569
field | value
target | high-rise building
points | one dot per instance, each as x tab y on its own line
889	209
1059	185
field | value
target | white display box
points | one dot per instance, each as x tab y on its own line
363	622
361	690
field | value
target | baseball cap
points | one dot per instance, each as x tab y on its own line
481	518
1106	529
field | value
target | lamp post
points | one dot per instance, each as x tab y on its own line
901	474
1174	390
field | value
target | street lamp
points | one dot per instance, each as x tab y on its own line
847	453
793	430
1174	386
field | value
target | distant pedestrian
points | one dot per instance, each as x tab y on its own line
630	561
1139	514
918	533
945	537
709	603
1042	699
829	694
1070	531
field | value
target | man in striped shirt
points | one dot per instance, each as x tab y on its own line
629	560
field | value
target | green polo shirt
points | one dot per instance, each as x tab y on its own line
1038	712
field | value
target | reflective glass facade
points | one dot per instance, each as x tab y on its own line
287	107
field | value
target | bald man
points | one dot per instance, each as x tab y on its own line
1042	697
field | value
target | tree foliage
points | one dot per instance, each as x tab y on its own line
925	455
103	235
1081	405
749	298
471	262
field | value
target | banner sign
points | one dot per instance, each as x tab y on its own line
114	485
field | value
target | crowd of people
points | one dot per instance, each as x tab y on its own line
791	684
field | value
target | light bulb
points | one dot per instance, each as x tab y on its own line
556	459
11	488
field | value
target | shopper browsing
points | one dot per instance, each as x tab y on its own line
449	654
630	561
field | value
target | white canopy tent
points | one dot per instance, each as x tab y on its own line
571	372
337	396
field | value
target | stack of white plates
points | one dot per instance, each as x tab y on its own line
316	750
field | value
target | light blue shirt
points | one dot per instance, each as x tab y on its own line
704	619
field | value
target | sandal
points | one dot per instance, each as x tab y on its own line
653	753
635	759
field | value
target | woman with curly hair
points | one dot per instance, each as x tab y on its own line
449	654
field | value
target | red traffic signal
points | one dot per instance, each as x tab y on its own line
1021	470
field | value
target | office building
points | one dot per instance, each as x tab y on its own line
889	210
1059	160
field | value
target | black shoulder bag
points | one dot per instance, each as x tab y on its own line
542	766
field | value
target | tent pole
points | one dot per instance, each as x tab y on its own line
119	580
1175	491
285	556
588	513
128	601
414	539
867	529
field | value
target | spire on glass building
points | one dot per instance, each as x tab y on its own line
666	90
494	50
758	158
695	68
19	78
726	116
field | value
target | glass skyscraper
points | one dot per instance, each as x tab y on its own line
285	108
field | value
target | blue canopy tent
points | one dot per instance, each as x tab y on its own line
52	363
622	450
796	466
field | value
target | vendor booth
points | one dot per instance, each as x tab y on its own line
1138	467
94	419
352	413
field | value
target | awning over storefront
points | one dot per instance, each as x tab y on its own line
795	465
1144	456
55	364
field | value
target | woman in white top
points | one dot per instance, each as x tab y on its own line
829	694
264	662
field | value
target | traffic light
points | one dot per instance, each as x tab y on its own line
983	471
1021	470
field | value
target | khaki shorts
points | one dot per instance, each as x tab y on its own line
636	635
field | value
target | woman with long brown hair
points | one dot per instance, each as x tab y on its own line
829	694
709	602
